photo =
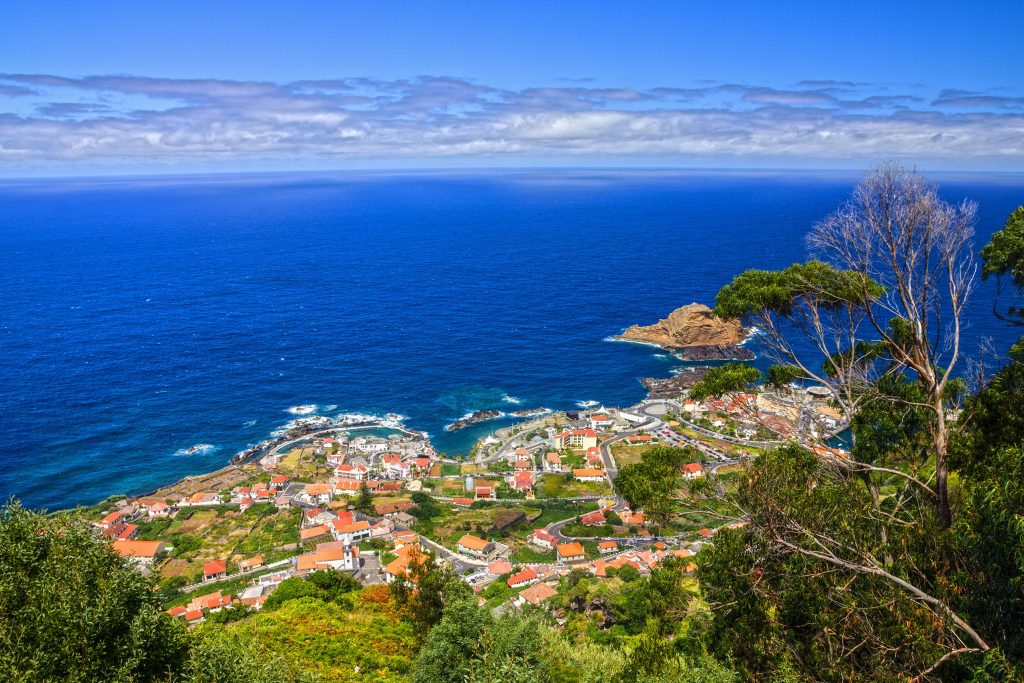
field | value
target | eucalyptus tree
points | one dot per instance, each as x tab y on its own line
876	318
884	298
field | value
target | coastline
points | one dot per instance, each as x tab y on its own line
307	424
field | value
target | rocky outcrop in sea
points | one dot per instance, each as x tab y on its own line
473	418
694	325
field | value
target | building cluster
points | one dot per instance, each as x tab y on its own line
793	412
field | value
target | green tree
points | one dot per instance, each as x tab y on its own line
469	644
426	507
725	379
218	655
364	502
425	592
329	585
73	610
1003	257
652	484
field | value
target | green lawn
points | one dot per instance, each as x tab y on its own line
527	555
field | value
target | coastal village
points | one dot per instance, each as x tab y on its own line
533	503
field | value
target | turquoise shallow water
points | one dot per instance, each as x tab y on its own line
141	317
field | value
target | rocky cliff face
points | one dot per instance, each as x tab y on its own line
689	326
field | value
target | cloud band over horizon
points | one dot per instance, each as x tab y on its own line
55	122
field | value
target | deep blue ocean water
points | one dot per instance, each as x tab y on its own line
140	317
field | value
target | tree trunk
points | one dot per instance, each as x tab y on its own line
941	470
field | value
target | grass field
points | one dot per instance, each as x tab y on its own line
627	455
559	486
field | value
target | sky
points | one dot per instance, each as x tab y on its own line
135	87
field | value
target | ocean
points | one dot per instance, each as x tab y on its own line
141	317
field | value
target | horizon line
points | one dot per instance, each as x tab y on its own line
473	170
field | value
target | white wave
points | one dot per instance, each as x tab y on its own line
197	449
316	422
329	408
250	423
587	404
632	341
395	417
754	332
303	409
511	399
354	418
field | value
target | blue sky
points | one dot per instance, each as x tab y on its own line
165	87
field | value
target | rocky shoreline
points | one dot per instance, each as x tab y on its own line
473	418
704	354
671	387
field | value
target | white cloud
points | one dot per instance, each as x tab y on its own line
110	120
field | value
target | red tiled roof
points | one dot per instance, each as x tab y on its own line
570	550
215	567
522	577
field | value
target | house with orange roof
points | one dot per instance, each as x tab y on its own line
522	465
523	578
693	470
485	493
357	472
473	545
140	552
389	509
408	557
593	519
214	602
279	481
353	532
159	509
128	532
499	567
588	474
316	493
394	467
535	595
215	569
639	438
254	562
194	617
110	520
463	502
312	533
570	552
345	486
177	612
600	421
523	481
403	538
200	499
553	462
607	547
632	518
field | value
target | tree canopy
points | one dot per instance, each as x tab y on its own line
652	483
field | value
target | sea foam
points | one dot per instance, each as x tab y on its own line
303	409
197	449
